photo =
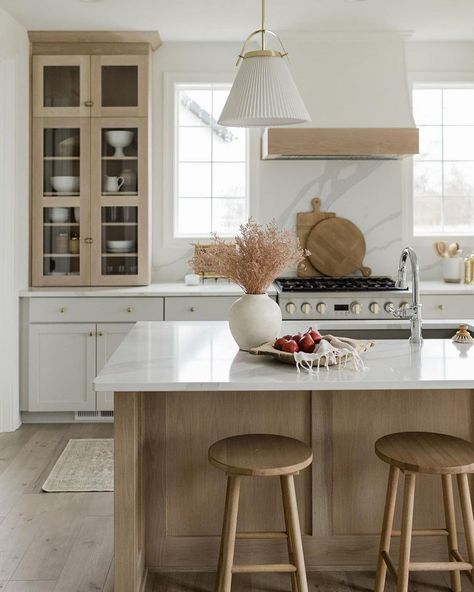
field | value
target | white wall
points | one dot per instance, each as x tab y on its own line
369	193
14	118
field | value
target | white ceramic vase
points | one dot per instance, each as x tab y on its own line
254	319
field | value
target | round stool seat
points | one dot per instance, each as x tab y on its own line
427	452
262	455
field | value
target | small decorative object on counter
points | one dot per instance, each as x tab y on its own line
463	335
471	268
453	269
467	270
192	279
62	243
74	244
258	256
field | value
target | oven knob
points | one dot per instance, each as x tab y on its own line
356	308
404	305
306	308
290	308
389	307
321	307
374	307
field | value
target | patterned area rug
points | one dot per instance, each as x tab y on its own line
84	465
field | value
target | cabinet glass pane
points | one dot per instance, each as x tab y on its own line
61	86
119	240
119	86
61	241
120	161
61	161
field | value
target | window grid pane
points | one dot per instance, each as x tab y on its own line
211	187
443	172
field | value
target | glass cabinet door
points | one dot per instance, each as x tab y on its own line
119	201
61	202
120	86
61	86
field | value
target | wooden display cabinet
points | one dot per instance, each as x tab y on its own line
90	159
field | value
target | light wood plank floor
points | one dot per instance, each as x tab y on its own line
63	542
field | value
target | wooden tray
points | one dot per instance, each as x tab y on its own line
267	349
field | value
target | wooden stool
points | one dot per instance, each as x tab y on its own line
438	454
261	455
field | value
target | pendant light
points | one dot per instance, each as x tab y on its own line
264	93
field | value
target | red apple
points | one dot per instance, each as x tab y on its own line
297	337
315	335
287	337
290	347
279	343
307	344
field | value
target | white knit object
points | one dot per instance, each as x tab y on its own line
264	94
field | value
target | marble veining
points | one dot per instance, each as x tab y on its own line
202	356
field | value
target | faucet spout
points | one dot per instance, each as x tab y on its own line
413	313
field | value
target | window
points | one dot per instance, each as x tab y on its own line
443	172
210	177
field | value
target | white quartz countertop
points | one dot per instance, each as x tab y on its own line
202	356
208	288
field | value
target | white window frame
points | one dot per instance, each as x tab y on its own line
428	80
171	79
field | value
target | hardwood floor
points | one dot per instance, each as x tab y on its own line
63	542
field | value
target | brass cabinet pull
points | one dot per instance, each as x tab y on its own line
129	309
441	306
88	240
100	333
62	310
89	103
91	334
192	309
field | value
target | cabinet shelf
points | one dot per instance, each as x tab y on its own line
59	255
61	224
119	254
119	223
120	158
118	193
61	158
61	194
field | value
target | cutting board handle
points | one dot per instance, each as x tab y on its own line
366	271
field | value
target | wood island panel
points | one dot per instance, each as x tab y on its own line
171	499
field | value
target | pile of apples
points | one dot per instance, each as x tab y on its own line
305	342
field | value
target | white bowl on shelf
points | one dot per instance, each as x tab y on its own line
120	246
65	184
119	139
58	215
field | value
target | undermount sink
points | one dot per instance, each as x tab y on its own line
445	333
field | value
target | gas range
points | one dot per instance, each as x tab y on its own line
344	298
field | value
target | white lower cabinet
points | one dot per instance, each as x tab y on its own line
109	337
62	364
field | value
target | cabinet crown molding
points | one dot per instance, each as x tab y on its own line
40	39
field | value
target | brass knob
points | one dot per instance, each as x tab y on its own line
62	310
91	334
89	103
88	240
100	333
129	309
192	309
441	306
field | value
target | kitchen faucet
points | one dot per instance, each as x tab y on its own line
413	312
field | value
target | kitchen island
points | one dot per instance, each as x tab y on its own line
179	386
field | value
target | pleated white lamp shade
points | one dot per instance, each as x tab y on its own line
264	94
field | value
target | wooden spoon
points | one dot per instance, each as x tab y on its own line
453	249
441	248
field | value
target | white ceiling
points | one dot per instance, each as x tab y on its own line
225	20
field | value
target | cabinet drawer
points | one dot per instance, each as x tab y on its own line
200	308
99	310
458	307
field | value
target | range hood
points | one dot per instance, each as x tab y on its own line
356	91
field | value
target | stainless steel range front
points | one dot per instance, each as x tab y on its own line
323	298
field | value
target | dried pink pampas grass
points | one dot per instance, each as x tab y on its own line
256	257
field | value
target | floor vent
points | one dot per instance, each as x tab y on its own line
100	416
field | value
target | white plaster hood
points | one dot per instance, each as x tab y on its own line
352	83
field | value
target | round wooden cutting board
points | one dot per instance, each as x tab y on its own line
337	248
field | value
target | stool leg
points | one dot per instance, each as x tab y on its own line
294	531
291	555
387	526
407	527
468	521
229	527
448	500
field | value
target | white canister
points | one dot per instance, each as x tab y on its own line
453	269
